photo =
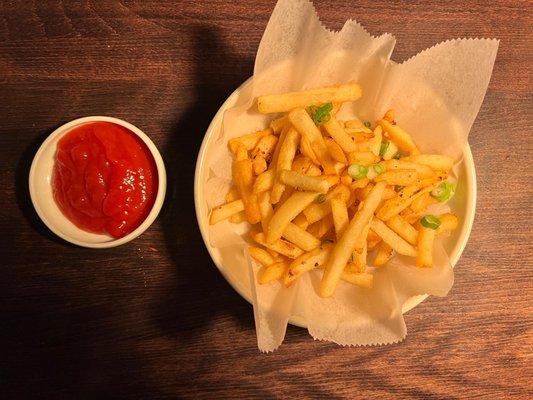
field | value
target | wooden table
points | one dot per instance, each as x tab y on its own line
154	318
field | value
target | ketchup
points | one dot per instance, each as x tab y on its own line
104	179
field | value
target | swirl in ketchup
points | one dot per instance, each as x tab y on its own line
105	179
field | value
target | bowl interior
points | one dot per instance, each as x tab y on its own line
230	260
41	192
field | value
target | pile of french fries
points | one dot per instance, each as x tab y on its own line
322	193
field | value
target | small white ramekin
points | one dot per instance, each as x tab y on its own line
42	197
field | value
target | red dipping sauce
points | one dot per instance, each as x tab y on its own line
105	178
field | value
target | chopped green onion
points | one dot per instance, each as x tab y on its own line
397	156
378	168
357	171
430	221
320	198
367	124
320	114
383	148
443	192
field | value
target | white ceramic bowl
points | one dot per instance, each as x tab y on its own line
233	267
43	199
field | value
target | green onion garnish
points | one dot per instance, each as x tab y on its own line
320	114
320	198
378	168
443	192
397	156
357	171
383	148
367	124
430	221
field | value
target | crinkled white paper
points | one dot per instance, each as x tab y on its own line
436	96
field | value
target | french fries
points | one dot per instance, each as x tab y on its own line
304	182
400	137
285	102
426	237
293	206
225	211
279	246
392	238
325	194
348	241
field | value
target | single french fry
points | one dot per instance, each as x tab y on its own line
280	246
426	238
301	221
403	228
275	154
265	208
448	222
307	262
336	131
346	179
389	116
264	181
237	218
346	244
262	256
285	158
364	280
301	164
423	170
272	272
225	211
383	254
397	204
300	237
400	137
436	162
331	179
278	124
320	228
335	151
303	182
359	257
288	101
314	171
249	141
375	143
362	157
421	203
287	212
243	178
389	193
240	152
340	216
399	177
306	150
259	165
303	123
354	123
392	238
232	195
262	153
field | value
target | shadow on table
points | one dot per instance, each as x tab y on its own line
200	291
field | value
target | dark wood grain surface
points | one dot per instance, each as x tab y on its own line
154	318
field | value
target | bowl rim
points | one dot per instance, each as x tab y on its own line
161	188
296	320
